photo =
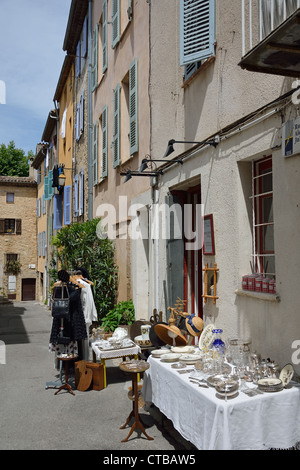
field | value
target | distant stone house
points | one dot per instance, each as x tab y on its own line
18	243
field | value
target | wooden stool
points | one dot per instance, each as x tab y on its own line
66	385
134	371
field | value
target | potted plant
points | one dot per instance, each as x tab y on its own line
13	267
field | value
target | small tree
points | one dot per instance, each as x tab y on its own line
13	161
77	245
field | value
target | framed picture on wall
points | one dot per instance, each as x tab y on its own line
209	240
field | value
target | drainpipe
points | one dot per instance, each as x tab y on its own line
90	116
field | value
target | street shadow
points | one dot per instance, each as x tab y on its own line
12	330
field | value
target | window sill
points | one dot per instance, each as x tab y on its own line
258	295
204	66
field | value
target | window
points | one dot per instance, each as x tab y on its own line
104	37
9	226
115	22
11	257
95	59
103	123
95	152
10	198
67	204
197	30
263	230
116	126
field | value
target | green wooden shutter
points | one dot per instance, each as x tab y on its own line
133	107
104	142
104	37
115	22
116	127
50	182
95	153
95	59
46	188
197	30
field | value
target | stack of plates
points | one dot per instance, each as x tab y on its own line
183	349
190	358
170	357
270	385
159	352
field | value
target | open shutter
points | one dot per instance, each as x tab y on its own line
78	54
46	188
95	153
133	107
76	188
197	30
81	204
104	142
116	127
115	22
57	212
81	113
2	226
84	38
50	182
104	37
77	125
18	227
67	205
95	58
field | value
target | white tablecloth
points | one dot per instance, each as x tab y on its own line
271	420
112	353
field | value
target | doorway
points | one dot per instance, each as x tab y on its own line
28	289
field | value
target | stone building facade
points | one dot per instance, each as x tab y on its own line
18	252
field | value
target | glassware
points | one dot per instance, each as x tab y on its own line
218	343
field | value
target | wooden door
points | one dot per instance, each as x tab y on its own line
28	289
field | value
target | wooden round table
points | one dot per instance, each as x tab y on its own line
66	385
134	370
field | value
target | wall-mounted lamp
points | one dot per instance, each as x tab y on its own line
171	143
146	162
130	173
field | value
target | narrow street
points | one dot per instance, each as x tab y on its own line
34	418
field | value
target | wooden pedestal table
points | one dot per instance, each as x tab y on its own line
135	370
66	385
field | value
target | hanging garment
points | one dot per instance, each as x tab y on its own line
55	177
75	329
89	312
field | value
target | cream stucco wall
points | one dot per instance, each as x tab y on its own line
220	95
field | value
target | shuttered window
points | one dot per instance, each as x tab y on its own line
197	30
115	22
133	107
77	125
104	142
78	54
50	183
84	37
104	37
18	226
95	59
76	194
81	204
57	212
95	153
67	204
116	127
81	113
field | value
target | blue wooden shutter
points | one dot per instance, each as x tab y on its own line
95	153
81	206
67	205
197	30
37	208
95	59
50	182
84	38
116	127
57	212
133	107
104	142
115	22
77	124
104	37
81	113
76	200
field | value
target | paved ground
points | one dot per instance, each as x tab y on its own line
33	418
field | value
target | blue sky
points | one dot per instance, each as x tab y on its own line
31	56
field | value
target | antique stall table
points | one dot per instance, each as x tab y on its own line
66	386
105	354
260	422
134	369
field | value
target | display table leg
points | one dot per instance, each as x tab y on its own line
135	413
104	372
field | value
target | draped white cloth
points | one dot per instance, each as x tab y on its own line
261	422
